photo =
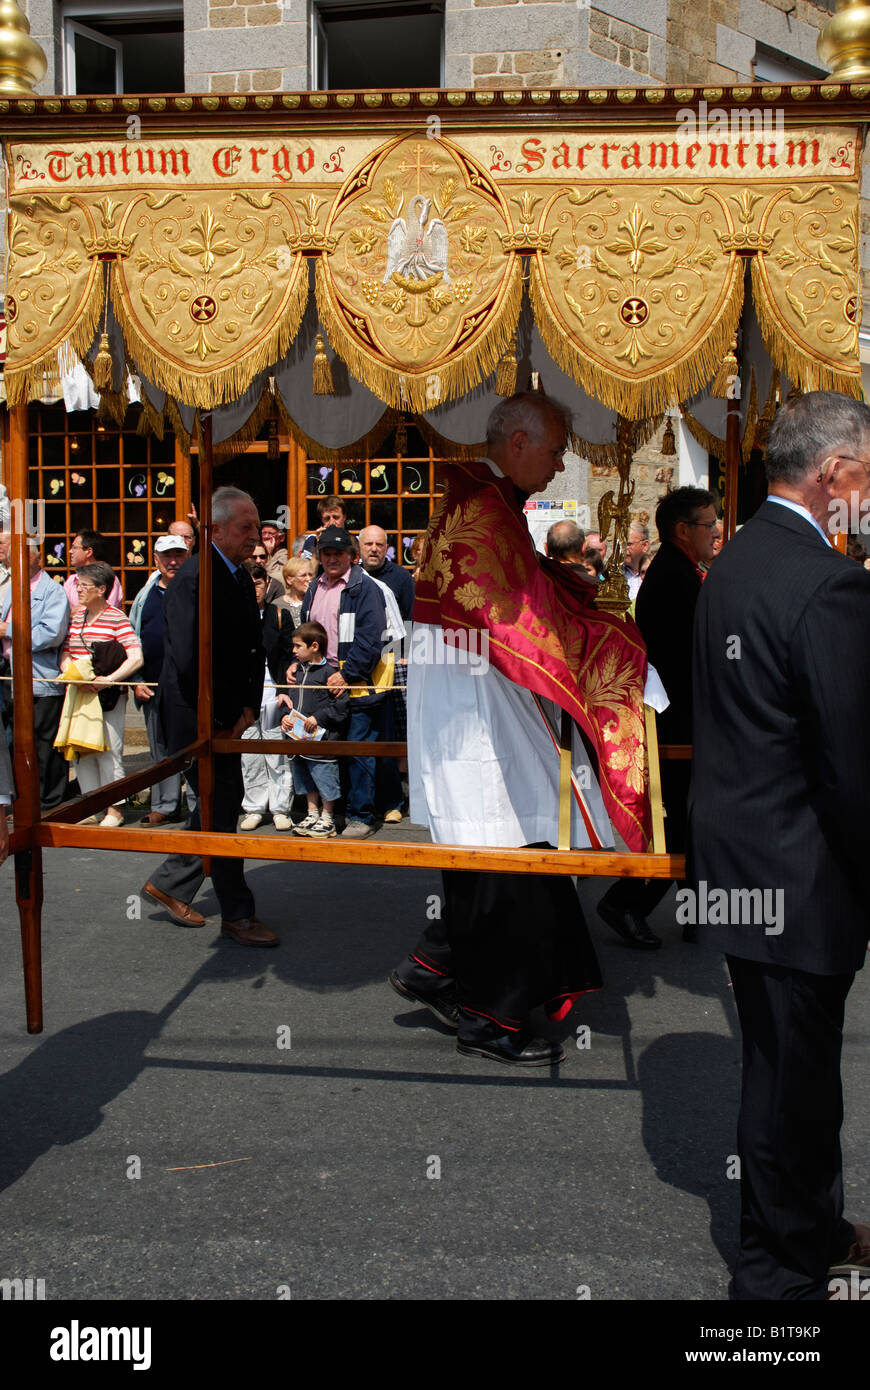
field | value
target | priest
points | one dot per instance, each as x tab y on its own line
505	641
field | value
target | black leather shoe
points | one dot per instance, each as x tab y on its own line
443	1004
516	1051
633	930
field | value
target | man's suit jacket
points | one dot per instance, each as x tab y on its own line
665	613
781	772
238	658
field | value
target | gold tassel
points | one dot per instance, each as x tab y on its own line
272	448
669	444
103	367
323	385
506	374
723	382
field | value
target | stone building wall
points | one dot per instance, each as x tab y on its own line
246	46
715	40
262	45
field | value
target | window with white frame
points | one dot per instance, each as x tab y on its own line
377	44
771	65
112	47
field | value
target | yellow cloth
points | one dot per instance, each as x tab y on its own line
81	730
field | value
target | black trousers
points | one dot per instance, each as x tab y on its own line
791	1110
511	942
53	768
181	875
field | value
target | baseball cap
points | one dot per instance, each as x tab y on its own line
169	543
335	538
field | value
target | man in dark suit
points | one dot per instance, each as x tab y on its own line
778	818
238	662
665	614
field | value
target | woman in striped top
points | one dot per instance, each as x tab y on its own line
98	621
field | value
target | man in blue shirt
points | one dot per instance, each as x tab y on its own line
49	621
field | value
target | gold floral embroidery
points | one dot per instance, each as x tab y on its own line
471	596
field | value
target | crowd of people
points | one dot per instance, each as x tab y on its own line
346	596
742	654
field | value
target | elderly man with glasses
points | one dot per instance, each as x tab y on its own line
779	809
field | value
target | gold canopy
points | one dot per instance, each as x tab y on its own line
631	232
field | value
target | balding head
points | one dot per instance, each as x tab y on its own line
565	542
373	548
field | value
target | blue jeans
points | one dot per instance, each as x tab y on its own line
369	725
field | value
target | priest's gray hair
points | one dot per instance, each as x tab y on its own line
529	411
224	503
808	429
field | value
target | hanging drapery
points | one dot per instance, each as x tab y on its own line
806	286
633	243
419	297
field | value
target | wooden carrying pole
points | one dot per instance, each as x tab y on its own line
732	467
28	853
205	705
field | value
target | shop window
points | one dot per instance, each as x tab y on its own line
395	490
92	475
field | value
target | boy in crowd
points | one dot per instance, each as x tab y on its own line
315	778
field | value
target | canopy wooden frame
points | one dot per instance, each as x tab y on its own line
586	118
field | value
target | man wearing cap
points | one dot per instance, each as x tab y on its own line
351	607
147	619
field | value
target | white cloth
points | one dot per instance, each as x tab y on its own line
482	766
268	777
394	623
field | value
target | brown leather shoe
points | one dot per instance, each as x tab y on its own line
249	931
180	912
858	1255
154	818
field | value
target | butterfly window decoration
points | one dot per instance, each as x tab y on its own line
351	483
380	472
135	556
137	485
56	556
325	475
77	479
55	486
164	481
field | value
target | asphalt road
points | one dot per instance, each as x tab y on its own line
159	1141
